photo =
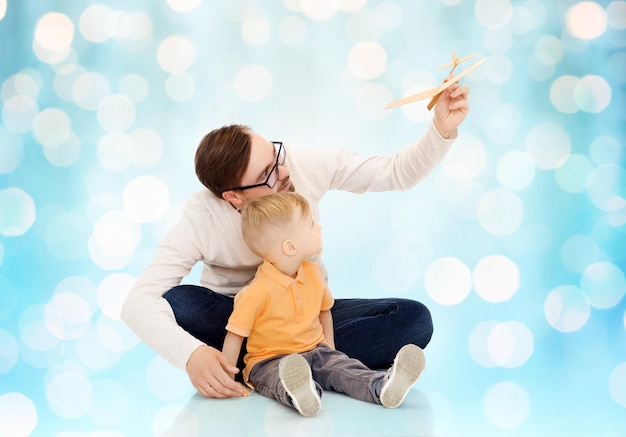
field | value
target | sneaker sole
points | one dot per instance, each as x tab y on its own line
295	375
406	370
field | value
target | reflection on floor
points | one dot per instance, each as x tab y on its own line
340	416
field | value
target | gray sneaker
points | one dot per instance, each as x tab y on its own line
295	374
407	368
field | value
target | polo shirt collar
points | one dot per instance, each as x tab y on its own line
272	272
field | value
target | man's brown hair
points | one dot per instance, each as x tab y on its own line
222	157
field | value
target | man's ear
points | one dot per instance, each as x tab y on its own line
289	248
233	198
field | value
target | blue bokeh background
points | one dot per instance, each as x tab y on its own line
516	242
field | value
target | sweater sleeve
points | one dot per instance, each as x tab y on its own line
399	171
345	170
145	310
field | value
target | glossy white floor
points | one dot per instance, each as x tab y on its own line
340	416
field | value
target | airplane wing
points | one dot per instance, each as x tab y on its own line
414	98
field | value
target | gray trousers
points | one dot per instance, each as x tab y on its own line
331	370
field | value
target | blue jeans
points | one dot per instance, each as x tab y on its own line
331	370
370	330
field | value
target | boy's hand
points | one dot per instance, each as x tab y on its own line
212	375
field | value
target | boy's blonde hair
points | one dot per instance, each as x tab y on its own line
262	217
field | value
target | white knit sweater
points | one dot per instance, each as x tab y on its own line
209	232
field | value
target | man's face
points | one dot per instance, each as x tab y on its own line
265	165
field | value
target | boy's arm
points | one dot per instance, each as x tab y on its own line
232	347
326	319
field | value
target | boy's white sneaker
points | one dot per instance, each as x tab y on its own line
295	375
407	368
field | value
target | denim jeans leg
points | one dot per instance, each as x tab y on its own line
374	330
201	312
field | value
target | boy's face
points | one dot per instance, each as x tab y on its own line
307	235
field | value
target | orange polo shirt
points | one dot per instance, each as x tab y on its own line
280	314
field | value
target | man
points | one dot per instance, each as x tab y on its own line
185	324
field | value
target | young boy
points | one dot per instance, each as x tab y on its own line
285	314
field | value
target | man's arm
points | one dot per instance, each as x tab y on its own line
326	319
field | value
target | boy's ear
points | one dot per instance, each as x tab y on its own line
289	248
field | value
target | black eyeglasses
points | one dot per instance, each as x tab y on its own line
272	176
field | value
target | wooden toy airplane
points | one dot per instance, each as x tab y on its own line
434	93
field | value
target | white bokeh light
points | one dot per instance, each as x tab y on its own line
19	112
23	83
114	240
506	405
116	151
53	37
112	292
468	160
18	212
253	83
180	86
146	199
135	87
515	170
510	344
97	23
496	278
448	281
603	186
184	5
578	252
566	308
493	14
586	20
603	284
616	13
617	384
371	100
318	9
477	343
562	94
572	176
592	94
18	415
11	152
116	113
89	90
115	336
606	149
256	31
500	212
147	148
69	392
68	315
292	30
94	353
175	54
9	355
548	144
498	69
367	60
51	127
